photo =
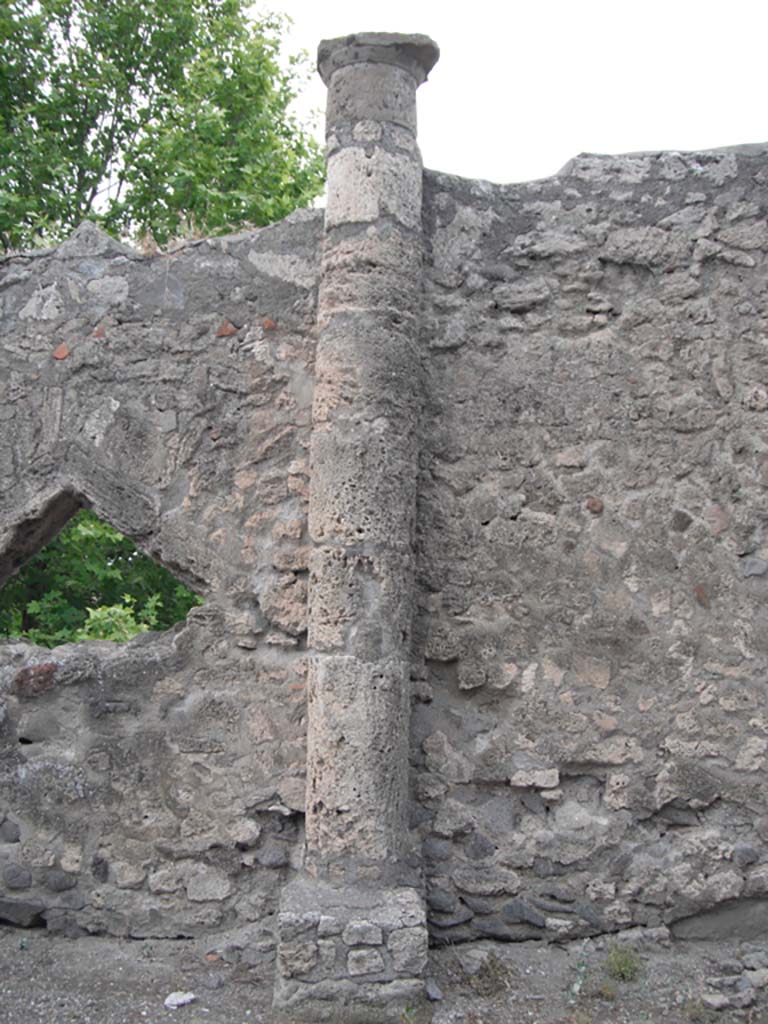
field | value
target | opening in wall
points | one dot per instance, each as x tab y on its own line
90	582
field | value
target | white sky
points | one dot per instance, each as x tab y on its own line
524	85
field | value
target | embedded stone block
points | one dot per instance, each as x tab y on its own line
364	961
362	933
409	948
363	187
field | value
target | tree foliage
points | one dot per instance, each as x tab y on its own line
90	583
151	116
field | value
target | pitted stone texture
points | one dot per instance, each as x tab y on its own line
374	268
409	948
368	374
363	187
357	604
297	958
364	457
356	796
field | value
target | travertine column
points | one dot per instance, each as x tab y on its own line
352	937
364	451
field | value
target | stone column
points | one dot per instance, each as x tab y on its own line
364	452
354	925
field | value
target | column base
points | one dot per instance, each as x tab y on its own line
351	955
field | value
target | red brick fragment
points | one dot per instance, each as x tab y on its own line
61	351
269	324
34	680
595	506
99	332
226	330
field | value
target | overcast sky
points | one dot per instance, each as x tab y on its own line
521	87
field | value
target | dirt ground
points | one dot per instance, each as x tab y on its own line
47	979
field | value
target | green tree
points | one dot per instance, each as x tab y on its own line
153	116
90	583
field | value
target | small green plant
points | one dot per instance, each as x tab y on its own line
491	978
622	962
696	1012
574	990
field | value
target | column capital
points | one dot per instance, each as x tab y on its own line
415	54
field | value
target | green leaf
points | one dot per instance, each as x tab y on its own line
60	595
147	116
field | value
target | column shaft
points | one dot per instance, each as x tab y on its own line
364	458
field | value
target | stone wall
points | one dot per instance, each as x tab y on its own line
590	730
157	788
519	443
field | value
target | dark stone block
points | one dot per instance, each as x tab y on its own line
477	847
552	906
441	900
743	855
59	881
479	905
15	876
545	868
273	855
559	893
437	849
9	832
100	869
493	927
20	912
519	911
589	914
73	899
679	816
735	919
681	520
62	922
459	916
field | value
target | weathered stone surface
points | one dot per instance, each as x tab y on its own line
158	746
208	884
364	961
408	947
377	934
364	455
362	933
478	466
297	958
605	562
